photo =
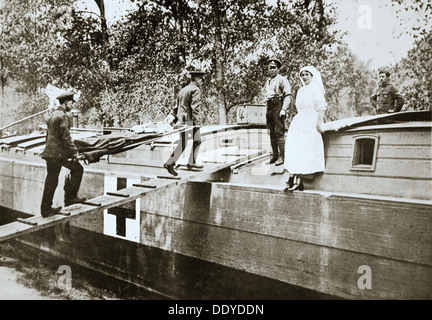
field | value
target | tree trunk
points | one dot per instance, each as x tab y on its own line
220	81
219	63
2	83
104	28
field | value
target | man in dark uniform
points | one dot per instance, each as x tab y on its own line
386	99
188	104
278	96
60	151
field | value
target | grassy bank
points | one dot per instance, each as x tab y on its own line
39	271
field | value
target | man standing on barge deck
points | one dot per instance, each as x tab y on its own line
387	98
60	151
278	96
186	111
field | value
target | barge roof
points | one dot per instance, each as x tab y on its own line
406	119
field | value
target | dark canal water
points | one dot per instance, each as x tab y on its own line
30	274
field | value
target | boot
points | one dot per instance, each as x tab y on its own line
275	151
50	211
281	159
170	168
297	185
70	201
193	155
71	187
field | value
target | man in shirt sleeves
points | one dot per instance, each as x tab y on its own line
278	97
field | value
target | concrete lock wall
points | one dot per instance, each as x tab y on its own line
314	240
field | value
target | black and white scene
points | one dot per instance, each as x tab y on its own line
207	158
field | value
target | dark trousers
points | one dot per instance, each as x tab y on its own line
275	125
193	133
72	184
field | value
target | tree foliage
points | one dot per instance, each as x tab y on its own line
349	84
130	72
30	33
230	39
413	75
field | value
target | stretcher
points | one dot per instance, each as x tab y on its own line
91	149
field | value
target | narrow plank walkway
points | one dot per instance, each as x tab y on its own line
114	199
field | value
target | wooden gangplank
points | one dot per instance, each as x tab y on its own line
110	199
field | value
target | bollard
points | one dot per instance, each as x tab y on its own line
75	114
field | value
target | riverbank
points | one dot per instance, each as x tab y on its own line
13	289
29	274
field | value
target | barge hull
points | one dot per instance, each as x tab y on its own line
316	241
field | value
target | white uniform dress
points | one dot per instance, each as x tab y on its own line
304	148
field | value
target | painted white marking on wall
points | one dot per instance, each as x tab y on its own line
110	220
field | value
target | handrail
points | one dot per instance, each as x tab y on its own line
24	119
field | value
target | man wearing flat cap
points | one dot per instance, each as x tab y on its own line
186	113
278	97
59	150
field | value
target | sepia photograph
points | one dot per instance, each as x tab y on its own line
215	157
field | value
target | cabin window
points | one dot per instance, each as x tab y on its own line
364	152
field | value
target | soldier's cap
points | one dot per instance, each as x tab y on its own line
196	73
384	70
276	61
66	96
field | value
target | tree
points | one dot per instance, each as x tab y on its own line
104	27
131	71
413	75
29	36
420	8
349	84
230	39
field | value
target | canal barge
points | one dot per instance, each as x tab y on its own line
360	230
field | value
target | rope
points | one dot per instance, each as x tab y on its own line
24	119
